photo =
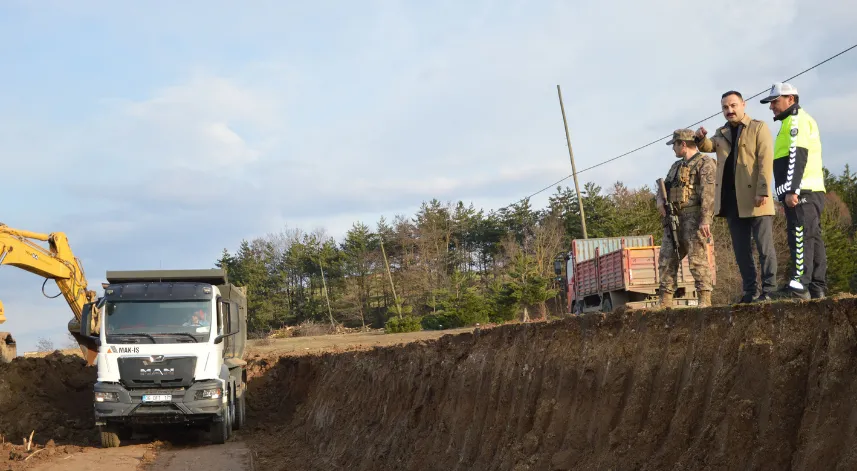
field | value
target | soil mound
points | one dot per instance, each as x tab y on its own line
51	396
769	386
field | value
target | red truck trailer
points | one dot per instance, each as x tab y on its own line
606	273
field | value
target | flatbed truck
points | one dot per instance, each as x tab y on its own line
605	273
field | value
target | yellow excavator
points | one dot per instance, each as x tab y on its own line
19	249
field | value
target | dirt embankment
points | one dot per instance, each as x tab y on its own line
754	387
50	399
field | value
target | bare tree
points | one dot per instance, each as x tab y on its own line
44	345
71	342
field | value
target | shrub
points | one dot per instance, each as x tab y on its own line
396	325
502	302
441	321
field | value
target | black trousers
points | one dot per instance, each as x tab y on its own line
808	264
743	232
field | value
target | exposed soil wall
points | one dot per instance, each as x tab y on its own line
51	396
755	387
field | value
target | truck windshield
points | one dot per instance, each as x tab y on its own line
159	321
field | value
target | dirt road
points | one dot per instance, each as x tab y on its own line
342	342
118	459
232	456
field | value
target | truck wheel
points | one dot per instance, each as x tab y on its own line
240	415
220	430
232	408
109	436
607	304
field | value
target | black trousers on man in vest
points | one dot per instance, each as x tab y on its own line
808	264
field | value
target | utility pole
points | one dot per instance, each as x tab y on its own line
324	284
573	168
390	275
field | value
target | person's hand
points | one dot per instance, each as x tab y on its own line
791	200
705	229
662	210
701	132
761	201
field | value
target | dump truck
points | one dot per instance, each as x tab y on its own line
170	353
605	273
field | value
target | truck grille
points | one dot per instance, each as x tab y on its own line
143	372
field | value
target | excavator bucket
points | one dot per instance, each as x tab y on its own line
8	347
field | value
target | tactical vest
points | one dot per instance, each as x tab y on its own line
683	180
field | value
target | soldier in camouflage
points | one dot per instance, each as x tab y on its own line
690	192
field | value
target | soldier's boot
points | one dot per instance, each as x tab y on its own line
704	298
666	299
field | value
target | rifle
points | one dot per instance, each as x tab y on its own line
672	217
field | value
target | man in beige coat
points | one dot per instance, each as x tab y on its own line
743	191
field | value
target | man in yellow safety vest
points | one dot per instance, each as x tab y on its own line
799	186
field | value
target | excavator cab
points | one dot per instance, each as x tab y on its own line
8	347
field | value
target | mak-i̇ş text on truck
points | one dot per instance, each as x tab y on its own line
605	273
170	353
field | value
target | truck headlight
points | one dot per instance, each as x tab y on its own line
106	396
213	393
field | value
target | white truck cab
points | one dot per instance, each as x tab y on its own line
170	353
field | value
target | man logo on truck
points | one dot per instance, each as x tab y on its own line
157	371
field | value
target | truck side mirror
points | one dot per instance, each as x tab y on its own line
220	338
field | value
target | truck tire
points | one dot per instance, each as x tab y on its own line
109	436
240	413
607	304
220	430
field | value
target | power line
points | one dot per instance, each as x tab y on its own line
670	134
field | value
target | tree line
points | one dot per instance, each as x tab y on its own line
452	265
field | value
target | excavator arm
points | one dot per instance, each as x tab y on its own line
18	249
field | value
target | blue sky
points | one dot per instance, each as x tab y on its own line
157	135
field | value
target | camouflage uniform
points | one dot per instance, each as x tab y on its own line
690	189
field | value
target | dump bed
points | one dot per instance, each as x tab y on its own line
586	255
214	276
585	249
636	269
629	264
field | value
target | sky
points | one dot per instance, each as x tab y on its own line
156	134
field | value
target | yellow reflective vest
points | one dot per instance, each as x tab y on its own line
797	154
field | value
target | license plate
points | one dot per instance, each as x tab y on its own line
157	397
692	302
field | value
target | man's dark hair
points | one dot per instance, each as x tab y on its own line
732	92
